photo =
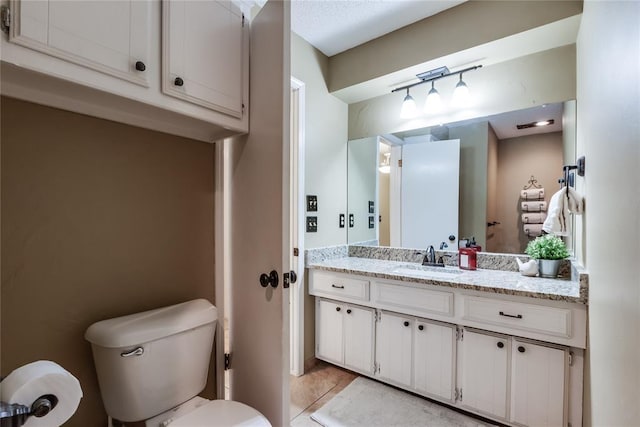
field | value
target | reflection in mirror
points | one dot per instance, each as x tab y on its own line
496	161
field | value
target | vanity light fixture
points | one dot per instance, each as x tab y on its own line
409	109
434	102
536	124
461	96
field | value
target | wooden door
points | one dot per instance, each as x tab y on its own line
329	331
538	385
259	216
358	338
483	370
394	336
429	195
433	359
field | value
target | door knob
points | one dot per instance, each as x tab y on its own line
500	344
178	81
287	278
140	66
270	279
406	323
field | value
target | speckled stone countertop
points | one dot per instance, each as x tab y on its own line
493	281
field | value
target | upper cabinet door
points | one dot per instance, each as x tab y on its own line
108	36
204	54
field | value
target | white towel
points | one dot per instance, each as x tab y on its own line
539	206
532	194
562	203
532	230
534	218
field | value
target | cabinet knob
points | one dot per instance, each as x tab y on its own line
178	81
521	349
349	311
500	344
140	66
337	308
406	323
421	327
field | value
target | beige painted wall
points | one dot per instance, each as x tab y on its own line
518	159
472	210
325	144
608	135
450	31
99	220
531	80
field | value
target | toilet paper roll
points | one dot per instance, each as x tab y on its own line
29	382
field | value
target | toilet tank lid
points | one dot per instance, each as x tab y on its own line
140	328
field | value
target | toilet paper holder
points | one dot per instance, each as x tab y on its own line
16	415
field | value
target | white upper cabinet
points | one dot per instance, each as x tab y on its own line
112	37
203	54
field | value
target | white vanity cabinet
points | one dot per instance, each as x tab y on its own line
203	55
345	335
394	344
505	357
483	368
434	354
112	37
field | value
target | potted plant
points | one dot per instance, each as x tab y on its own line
549	250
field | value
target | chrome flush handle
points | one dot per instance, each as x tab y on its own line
139	351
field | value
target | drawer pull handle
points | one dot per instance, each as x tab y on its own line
515	316
337	286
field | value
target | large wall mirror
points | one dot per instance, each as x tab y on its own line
462	180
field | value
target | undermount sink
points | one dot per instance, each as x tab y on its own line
428	272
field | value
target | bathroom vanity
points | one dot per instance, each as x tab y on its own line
491	342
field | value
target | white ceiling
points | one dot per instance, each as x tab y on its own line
333	26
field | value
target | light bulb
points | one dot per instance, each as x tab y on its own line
461	96
434	103
409	109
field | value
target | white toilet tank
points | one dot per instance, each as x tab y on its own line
153	361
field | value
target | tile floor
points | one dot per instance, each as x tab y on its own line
315	388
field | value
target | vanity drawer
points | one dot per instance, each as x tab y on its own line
412	300
529	317
323	283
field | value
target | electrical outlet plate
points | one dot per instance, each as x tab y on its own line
371	221
371	206
341	221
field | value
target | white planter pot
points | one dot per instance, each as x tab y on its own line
549	267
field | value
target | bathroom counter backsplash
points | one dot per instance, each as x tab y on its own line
497	273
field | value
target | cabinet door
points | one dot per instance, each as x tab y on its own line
433	356
538	385
329	332
203	53
394	336
358	338
484	365
108	36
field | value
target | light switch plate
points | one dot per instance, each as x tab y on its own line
312	203
312	224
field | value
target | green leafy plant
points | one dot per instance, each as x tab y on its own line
547	247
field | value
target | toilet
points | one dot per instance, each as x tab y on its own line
152	365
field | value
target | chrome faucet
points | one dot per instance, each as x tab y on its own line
429	256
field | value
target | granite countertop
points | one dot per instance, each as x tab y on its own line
494	281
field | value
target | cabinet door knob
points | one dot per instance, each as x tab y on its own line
500	344
140	66
349	311
521	349
337	308
406	323
421	327
178	81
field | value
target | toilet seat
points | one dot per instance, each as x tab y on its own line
221	413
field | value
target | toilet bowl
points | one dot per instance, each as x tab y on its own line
152	365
